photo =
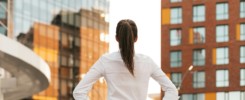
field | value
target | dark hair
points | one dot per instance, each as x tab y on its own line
126	34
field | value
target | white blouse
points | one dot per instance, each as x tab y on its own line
121	84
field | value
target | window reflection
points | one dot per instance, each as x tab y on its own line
175	37
3	7
199	35
2	30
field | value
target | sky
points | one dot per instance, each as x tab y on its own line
147	16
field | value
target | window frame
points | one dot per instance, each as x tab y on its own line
224	80
196	29
177	39
176	19
224	35
196	59
197	81
178	61
179	78
242	10
198	16
242	54
226	56
225	14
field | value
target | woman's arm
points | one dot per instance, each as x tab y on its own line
84	86
171	92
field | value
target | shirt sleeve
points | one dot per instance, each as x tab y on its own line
171	92
84	86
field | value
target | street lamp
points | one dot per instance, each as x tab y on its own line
189	69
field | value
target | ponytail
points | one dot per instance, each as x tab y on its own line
126	34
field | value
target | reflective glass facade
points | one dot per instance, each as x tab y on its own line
3	6
70	35
3	17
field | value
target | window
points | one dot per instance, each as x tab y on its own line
176	79
222	11
2	30
176	16
242	77
222	32
199	79
242	9
199	35
222	96
233	95
199	96
175	59
242	54
222	78
242	32
2	10
175	37
222	56
199	57
199	13
172	1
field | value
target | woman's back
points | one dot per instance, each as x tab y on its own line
121	84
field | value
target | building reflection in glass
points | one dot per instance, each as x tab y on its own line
70	35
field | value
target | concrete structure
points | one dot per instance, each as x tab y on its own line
23	73
208	34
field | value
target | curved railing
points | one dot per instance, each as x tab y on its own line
30	74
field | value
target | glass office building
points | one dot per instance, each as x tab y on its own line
69	34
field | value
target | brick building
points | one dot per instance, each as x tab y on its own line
210	36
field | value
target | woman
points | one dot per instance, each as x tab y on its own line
126	73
